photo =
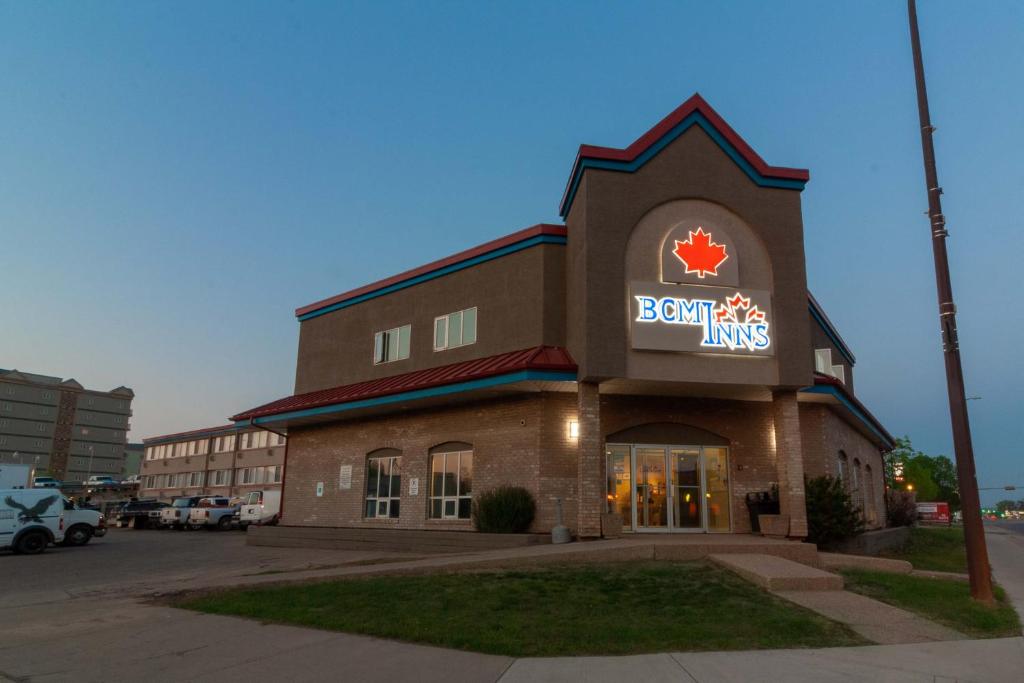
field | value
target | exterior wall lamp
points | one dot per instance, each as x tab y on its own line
574	429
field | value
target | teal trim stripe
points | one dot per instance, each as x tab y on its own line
696	118
440	272
447	389
849	405
831	334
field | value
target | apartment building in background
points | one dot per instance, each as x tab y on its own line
216	461
63	429
133	454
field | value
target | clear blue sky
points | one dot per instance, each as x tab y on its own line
175	178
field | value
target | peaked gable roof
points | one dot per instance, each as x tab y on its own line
693	112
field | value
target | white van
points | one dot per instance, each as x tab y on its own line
260	507
30	519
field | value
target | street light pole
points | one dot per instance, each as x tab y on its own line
974	532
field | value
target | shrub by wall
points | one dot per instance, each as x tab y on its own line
900	508
504	510
831	515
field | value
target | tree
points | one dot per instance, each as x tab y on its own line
933	477
1004	505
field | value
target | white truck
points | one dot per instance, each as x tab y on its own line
260	507
81	524
215	512
30	519
16	476
176	516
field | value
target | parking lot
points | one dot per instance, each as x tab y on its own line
131	562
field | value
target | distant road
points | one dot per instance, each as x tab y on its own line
1016	526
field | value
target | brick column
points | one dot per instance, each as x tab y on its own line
789	461
590	461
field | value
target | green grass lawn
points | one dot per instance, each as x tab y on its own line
946	601
935	548
566	610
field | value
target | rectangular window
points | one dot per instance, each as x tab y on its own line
391	345
276	474
455	329
451	479
383	486
195	479
222	478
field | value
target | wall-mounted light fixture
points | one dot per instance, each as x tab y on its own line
574	429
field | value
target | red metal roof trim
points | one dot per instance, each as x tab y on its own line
538	358
695	103
527	233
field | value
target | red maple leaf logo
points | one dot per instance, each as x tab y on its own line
699	254
731	311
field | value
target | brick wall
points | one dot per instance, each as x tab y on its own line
505	435
825	434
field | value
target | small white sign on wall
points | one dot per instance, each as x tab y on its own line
414	487
345	477
319	489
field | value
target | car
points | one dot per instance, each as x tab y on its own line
81	524
215	512
30	520
130	481
176	516
100	480
141	514
46	483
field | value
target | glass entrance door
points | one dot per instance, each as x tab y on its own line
674	488
651	489
687	502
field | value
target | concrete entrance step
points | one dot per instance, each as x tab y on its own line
777	573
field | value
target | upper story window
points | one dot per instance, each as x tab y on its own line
391	345
254	440
455	329
224	444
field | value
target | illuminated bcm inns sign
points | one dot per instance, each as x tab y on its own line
699	307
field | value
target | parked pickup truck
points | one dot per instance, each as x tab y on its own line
260	507
140	513
213	513
81	524
176	516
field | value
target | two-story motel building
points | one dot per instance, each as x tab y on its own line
649	362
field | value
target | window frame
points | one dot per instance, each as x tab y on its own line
392	501
446	327
382	344
455	500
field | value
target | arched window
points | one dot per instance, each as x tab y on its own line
841	465
451	480
869	494
855	490
383	483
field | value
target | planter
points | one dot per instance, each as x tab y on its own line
774	526
760	504
611	525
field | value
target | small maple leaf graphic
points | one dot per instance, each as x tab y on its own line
730	312
699	254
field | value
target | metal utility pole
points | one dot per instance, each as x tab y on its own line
974	533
